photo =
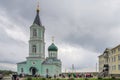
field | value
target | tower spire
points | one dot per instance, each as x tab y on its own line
37	18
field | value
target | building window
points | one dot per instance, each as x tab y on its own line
114	58
21	69
108	59
34	32
34	49
119	49
109	67
118	67
119	57
113	51
114	67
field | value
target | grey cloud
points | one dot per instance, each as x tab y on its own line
86	23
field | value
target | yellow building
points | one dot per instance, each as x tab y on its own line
109	61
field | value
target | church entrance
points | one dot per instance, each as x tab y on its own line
33	70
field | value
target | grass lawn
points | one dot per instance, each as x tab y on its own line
70	79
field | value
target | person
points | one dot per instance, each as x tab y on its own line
23	74
55	76
69	75
17	78
47	76
14	76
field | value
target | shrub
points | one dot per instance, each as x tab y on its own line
29	78
57	79
49	77
113	78
43	78
71	79
86	79
99	78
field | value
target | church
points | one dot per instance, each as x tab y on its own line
36	63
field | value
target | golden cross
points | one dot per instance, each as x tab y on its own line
52	39
38	6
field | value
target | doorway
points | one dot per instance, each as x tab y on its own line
33	70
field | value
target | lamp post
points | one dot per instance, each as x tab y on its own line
72	69
96	67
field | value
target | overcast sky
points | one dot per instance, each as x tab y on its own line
82	30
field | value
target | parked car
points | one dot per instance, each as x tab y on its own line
88	75
1	76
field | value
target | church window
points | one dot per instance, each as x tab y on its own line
41	33
47	71
34	49
21	69
33	63
34	32
51	54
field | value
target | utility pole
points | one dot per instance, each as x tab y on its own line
96	67
72	68
65	70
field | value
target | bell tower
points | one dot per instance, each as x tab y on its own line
36	42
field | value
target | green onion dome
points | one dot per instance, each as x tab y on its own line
52	47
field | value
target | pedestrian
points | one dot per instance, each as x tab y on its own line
17	78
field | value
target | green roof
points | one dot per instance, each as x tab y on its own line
24	62
52	47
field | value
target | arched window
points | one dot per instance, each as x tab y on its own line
34	49
34	32
47	71
21	69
